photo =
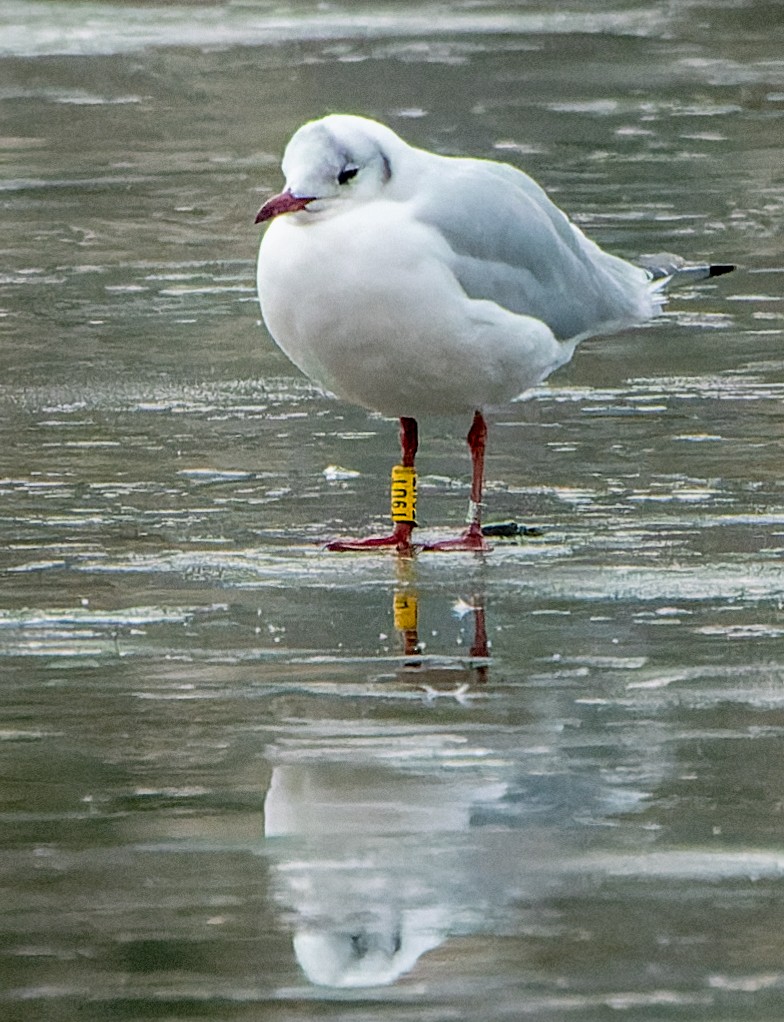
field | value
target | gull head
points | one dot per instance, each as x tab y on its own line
332	162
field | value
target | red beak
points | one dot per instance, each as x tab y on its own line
286	202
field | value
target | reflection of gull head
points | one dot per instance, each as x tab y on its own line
367	955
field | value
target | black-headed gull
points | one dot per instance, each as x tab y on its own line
414	284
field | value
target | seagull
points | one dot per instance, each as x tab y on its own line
416	284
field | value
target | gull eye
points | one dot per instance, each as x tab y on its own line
346	174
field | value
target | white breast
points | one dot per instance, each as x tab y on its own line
365	302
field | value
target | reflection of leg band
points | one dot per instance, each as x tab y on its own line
403	508
405	610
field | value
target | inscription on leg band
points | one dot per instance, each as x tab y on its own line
403	506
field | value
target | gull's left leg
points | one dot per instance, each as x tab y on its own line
472	538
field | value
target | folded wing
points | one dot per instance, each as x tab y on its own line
510	244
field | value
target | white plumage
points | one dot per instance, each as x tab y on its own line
415	284
426	283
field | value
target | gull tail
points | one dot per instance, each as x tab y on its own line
667	270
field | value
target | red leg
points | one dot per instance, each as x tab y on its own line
409	440
472	538
400	537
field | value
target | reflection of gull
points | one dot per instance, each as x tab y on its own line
389	839
370	897
385	847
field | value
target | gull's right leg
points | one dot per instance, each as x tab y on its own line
403	500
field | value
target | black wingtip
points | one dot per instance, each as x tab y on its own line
718	269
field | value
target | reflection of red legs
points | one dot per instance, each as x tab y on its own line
400	537
433	678
472	538
480	647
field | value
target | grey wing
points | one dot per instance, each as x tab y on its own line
513	246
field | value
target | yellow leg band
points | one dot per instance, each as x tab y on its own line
403	507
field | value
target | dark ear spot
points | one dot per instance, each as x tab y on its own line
386	167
